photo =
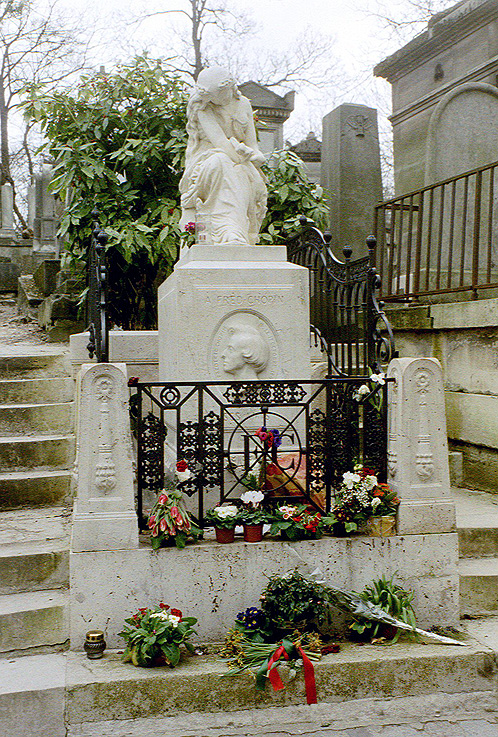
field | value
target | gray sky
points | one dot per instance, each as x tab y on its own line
358	40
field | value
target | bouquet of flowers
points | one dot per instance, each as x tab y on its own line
251	510
360	496
296	522
154	635
169	519
224	516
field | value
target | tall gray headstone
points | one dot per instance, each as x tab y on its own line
42	211
7	232
351	173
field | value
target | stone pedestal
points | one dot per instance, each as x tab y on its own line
104	512
418	447
234	312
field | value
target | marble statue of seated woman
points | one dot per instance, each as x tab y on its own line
222	184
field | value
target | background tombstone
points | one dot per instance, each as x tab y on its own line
42	213
350	171
272	111
7	232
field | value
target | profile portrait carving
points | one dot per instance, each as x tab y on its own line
247	353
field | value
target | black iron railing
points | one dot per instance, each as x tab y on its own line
347	321
323	430
440	239
98	326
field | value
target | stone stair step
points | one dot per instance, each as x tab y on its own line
107	689
34	550
36	391
34	567
478	542
45	363
36	419
32	696
33	619
478	585
36	452
37	488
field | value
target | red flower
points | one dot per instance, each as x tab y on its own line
176	613
181	466
163	499
163	606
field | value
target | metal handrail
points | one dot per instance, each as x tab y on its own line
440	239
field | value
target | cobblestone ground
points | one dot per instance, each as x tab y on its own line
441	715
16	328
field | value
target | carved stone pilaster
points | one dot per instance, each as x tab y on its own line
418	447
104	512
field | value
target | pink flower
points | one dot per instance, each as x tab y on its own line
162	525
175	513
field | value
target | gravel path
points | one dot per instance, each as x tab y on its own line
15	328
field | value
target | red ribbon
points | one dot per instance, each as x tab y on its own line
309	673
273	673
309	677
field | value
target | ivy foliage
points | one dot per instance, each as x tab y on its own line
118	141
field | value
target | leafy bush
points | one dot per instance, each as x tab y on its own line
118	141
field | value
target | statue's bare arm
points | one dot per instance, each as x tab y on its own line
216	136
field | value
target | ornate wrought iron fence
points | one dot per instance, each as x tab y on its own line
347	320
440	239
98	327
323	430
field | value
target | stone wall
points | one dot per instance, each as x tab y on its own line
463	336
443	81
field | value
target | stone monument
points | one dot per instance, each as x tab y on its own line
244	292
42	213
350	171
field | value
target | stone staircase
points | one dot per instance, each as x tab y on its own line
477	522
36	459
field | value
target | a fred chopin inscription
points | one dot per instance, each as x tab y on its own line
236	299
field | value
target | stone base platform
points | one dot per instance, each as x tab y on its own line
107	689
213	582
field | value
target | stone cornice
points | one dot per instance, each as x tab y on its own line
433	41
474	75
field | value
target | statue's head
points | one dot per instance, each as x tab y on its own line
216	85
246	350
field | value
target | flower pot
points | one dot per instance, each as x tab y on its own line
381	526
225	534
253	533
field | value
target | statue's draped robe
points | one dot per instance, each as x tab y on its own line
232	197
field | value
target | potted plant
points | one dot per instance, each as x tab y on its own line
154	636
296	522
384	503
253	516
223	519
169	522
